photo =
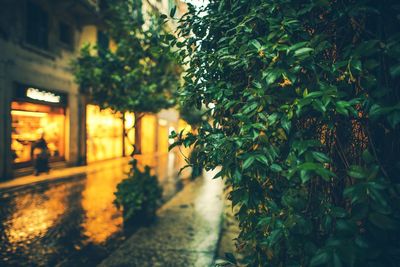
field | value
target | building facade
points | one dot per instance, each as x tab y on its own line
39	39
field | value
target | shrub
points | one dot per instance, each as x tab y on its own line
195	163
139	195
305	123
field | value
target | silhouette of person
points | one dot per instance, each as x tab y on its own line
40	156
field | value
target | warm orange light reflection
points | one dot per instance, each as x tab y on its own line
34	216
102	218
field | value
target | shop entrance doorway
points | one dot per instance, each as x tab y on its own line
29	123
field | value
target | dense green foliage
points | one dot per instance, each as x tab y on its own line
191	115
304	122
140	74
139	195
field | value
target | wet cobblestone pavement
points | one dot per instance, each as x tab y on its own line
72	222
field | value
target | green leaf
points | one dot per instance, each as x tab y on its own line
321	258
219	174
367	157
170	147
172	12
286	124
297	46
336	261
357	193
272	118
250	108
274	237
395	71
263	159
356	172
275	167
248	162
383	221
303	51
325	173
309	166
375	110
321	157
361	242
318	105
255	43
304	176
394	118
272	75
341	107
317	168
356	65
339	212
315	94
345	226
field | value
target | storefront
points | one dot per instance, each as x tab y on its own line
105	134
36	113
148	134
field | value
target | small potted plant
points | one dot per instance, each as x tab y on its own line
139	196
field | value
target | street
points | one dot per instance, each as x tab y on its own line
72	222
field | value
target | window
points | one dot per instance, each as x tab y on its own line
65	34
104	134
37	26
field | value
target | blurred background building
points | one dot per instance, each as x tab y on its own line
38	41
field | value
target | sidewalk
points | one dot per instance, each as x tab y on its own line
58	174
163	165
186	232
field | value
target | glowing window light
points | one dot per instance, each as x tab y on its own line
162	122
28	113
129	120
36	94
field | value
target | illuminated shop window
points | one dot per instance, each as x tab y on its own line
29	123
104	134
148	134
163	136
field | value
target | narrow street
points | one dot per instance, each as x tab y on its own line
72	222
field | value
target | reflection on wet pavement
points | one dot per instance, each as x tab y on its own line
72	223
102	218
185	234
